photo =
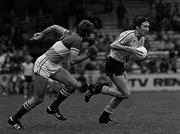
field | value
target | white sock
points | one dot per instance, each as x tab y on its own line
111	91
108	109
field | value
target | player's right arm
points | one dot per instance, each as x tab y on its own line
51	29
118	46
122	44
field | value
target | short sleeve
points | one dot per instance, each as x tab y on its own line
125	37
73	42
75	48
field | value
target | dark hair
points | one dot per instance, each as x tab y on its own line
85	27
137	21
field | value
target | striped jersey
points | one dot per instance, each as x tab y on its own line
127	38
69	43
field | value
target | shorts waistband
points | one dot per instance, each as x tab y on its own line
115	59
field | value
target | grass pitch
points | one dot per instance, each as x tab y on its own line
142	113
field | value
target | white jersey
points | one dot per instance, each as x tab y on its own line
127	38
27	68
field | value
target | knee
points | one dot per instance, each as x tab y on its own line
39	100
70	89
74	85
126	94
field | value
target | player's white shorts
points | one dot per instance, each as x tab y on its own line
44	67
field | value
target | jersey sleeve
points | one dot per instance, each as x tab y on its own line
125	39
75	48
67	41
73	43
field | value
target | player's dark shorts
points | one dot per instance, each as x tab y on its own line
28	78
114	67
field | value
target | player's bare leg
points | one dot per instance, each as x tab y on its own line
70	85
121	89
40	84
122	85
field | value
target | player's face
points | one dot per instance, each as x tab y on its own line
144	28
90	36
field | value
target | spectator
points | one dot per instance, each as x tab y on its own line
153	17
91	65
27	74
82	78
94	19
121	12
2	59
4	85
174	9
164	65
108	6
168	44
173	61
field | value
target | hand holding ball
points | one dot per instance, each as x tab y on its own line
141	53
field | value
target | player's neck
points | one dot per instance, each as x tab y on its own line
138	35
79	34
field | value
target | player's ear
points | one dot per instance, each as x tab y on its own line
137	27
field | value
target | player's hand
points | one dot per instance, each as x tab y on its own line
92	51
37	36
145	60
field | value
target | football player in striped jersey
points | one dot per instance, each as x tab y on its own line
124	48
49	65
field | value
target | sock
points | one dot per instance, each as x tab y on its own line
83	88
105	113
99	88
25	108
111	91
63	94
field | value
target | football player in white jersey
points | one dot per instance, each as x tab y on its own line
122	50
49	65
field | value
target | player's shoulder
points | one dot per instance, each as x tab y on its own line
128	32
75	37
126	35
23	64
72	40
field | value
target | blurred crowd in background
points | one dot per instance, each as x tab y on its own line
16	28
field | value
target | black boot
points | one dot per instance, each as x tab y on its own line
92	89
56	113
105	118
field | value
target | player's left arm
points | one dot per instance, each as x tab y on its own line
118	46
142	41
77	57
51	29
54	28
146	60
122	44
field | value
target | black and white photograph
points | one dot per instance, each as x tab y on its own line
90	67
